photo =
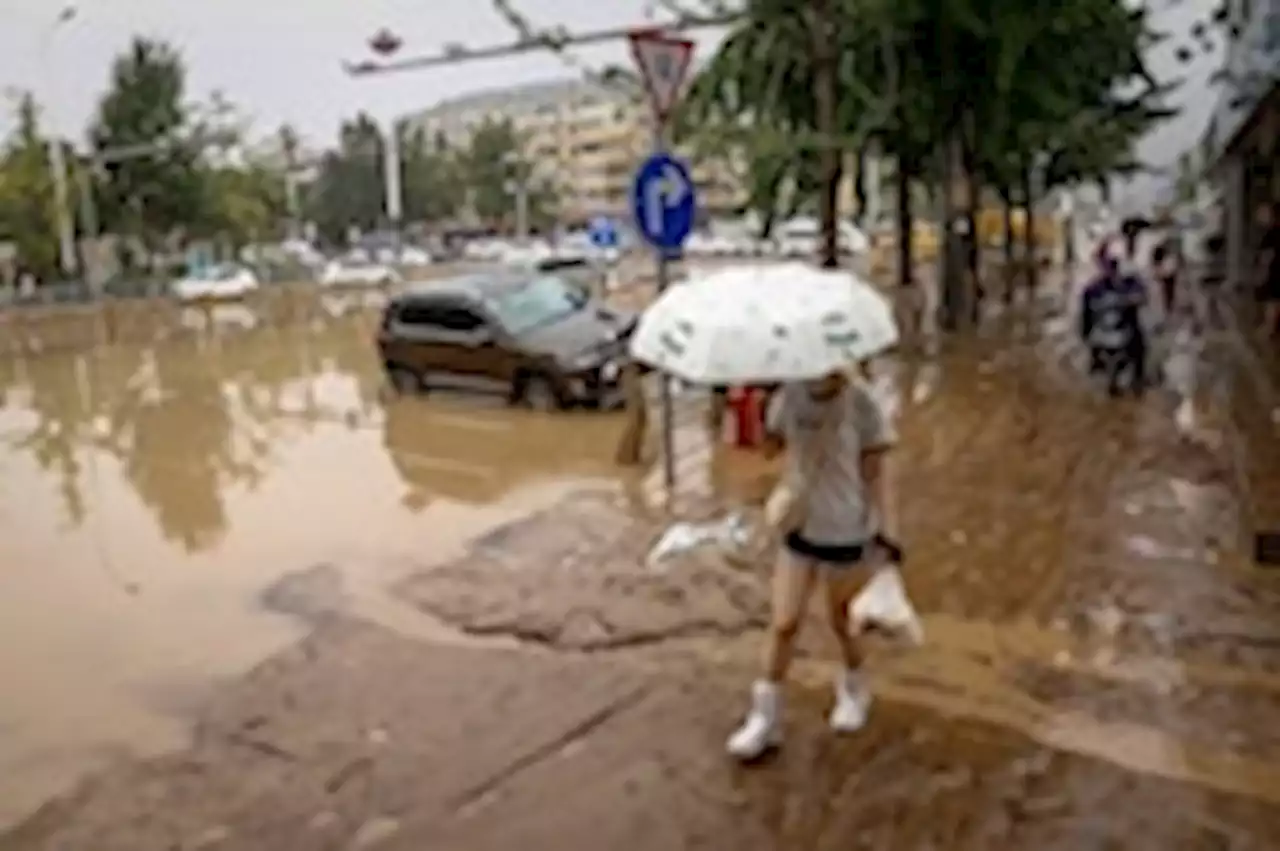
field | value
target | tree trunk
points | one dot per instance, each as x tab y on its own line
1029	235
824	95
951	277
973	256
905	225
860	185
1010	249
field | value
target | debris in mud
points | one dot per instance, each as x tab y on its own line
309	594
574	577
731	533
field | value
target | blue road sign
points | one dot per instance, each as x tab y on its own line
603	233
663	201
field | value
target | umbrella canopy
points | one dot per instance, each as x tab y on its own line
764	324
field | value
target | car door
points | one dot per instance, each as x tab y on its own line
413	338
481	353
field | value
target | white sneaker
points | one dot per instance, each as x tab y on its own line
853	701
760	731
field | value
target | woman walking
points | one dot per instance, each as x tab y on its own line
838	436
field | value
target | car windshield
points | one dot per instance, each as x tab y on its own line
537	303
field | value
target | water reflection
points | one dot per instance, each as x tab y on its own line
189	419
172	432
56	406
462	451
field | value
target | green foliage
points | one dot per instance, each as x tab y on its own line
434	188
348	190
26	194
151	196
1039	80
492	164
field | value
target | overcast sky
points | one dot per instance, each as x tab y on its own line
280	60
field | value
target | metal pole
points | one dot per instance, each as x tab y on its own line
668	412
391	181
57	157
522	210
457	55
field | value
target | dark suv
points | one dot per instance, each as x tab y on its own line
539	338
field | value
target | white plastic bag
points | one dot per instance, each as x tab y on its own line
883	604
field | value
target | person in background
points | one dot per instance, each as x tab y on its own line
1268	269
1212	282
1111	323
838	438
1165	267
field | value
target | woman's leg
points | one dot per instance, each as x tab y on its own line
793	579
853	699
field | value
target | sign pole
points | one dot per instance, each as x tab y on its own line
663	193
668	409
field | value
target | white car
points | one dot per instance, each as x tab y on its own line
802	237
704	245
484	250
411	255
223	282
528	254
357	271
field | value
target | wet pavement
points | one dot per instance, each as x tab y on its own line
153	495
1100	671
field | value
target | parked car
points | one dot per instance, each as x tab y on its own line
221	282
537	338
354	270
802	237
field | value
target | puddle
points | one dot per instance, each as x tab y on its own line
173	515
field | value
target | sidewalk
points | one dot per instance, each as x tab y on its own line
1100	672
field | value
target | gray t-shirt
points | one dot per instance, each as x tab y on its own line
838	511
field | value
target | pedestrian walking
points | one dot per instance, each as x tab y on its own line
802	329
1111	324
838	437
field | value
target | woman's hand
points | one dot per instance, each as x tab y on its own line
891	548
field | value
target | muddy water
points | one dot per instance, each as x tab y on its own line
170	515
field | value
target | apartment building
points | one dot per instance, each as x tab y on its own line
582	138
1242	143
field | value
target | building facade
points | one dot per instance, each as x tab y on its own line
1241	144
583	139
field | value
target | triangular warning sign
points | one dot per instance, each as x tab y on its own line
663	61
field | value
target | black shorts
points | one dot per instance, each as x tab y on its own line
835	555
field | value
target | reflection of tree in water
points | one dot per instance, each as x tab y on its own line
278	373
62	414
8	378
174	435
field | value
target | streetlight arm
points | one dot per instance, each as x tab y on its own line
456	54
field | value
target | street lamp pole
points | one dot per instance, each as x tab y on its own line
57	157
518	186
386	44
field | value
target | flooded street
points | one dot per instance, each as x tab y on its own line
444	581
151	496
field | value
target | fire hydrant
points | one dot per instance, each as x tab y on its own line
747	405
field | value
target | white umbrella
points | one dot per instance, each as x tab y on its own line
764	324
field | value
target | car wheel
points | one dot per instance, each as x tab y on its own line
538	393
404	381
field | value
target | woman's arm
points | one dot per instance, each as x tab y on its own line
876	437
877	479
